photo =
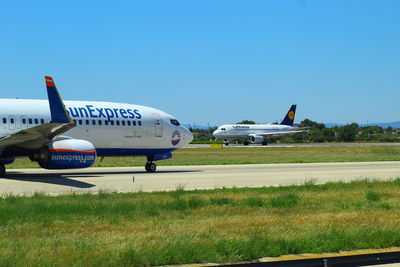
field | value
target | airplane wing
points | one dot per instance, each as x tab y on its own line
277	134
35	137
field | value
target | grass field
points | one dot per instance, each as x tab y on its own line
224	225
254	155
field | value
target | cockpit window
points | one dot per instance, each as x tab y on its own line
223	129
175	122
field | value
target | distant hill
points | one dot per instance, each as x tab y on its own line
201	127
394	124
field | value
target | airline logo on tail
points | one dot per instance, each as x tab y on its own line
49	81
289	119
291	115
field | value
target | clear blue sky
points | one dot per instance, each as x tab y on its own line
210	61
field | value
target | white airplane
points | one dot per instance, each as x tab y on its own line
257	133
59	136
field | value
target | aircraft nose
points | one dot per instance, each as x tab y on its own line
187	136
215	133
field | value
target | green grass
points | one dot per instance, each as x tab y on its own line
222	225
289	200
254	155
372	196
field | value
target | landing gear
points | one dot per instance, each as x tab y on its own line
150	167
226	142
2	170
264	143
246	143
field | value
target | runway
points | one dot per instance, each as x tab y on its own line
29	181
300	145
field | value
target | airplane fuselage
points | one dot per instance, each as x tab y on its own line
243	131
114	129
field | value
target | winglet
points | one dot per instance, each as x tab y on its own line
289	119
57	109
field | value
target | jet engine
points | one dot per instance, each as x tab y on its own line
66	154
6	161
256	139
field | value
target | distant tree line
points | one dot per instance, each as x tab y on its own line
319	133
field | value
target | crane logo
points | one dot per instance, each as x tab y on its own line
176	137
291	115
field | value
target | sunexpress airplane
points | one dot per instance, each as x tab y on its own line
59	136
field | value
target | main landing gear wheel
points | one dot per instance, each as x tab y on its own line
150	167
2	170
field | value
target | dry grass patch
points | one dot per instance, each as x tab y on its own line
197	226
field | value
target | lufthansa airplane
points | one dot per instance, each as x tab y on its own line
59	136
257	133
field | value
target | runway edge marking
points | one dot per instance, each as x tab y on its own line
299	257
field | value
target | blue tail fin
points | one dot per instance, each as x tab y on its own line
289	119
57	109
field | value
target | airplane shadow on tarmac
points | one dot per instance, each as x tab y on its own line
51	178
65	179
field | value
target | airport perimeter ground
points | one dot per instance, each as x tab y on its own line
300	153
247	222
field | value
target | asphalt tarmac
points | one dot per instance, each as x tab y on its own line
133	179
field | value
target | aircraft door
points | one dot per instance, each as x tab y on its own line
24	122
158	125
11	123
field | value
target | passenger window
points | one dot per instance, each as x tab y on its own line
87	122
75	122
4	120
129	123
99	122
24	121
117	123
11	120
112	123
123	123
139	123
134	123
36	121
106	122
93	122
80	122
30	121
42	121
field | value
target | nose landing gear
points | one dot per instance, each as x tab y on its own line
150	167
2	170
